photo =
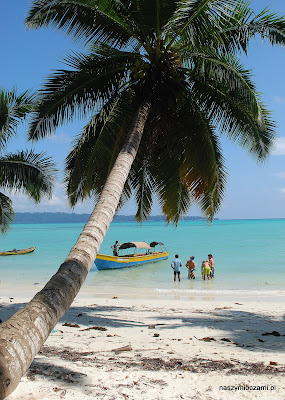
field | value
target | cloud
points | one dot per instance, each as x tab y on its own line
23	203
280	174
282	190
61	138
279	147
55	201
58	202
278	100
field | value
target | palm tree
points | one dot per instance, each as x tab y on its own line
162	81
23	171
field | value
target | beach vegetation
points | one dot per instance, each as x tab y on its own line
25	170
162	81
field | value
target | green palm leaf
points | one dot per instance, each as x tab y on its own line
67	94
28	172
6	213
143	186
224	89
266	25
150	15
202	21
95	151
104	21
194	157
23	171
13	110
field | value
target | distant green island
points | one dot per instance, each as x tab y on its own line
60	217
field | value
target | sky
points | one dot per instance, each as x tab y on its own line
253	190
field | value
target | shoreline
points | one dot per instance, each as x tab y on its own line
91	292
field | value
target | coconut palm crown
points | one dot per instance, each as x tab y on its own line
23	171
179	57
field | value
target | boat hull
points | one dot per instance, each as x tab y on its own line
17	252
112	262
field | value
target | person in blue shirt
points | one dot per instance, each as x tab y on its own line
175	265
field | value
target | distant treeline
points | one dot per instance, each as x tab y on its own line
59	217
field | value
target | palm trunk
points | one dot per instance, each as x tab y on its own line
22	336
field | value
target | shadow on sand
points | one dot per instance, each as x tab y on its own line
252	331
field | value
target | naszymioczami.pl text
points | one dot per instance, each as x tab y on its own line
236	388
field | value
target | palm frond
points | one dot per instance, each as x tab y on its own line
68	94
266	24
6	213
86	20
13	110
174	197
194	155
29	172
224	89
179	161
143	185
95	151
201	20
225	26
150	15
125	197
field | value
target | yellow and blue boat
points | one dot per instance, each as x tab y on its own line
137	253
15	252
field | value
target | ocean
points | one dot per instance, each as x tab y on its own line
249	256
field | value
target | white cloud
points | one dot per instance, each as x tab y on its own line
61	138
55	201
282	190
279	147
58	202
278	100
280	174
23	203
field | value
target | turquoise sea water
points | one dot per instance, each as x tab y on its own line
249	255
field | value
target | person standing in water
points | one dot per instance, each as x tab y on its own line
206	270
175	265
115	248
211	264
191	265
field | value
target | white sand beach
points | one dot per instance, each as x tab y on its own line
127	347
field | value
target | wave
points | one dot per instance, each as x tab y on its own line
223	291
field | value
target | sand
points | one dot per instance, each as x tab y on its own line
127	347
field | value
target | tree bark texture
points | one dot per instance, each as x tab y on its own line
22	336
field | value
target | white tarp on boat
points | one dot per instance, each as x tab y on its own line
138	245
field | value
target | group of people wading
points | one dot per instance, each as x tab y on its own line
207	267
